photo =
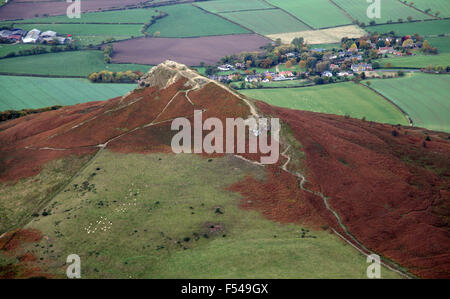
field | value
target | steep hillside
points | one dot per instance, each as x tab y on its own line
100	179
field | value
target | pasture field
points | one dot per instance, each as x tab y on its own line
266	22
218	6
426	98
32	92
8	48
425	28
441	6
317	13
186	20
418	61
441	43
340	98
136	228
390	10
78	63
322	36
114	17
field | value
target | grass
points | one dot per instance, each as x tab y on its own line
424	97
422	28
32	92
20	200
114	17
8	48
138	228
418	61
266	21
341	99
186	20
441	43
443	6
79	63
218	6
317	13
390	10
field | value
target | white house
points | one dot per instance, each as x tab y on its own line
32	37
327	74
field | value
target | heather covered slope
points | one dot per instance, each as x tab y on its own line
122	197
390	185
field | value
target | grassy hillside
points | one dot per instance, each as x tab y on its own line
125	223
80	63
31	92
186	20
317	13
342	99
424	97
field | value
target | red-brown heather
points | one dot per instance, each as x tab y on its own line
391	192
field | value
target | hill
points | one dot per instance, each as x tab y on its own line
93	179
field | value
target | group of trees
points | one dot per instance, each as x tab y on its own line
108	51
12	114
437	68
115	77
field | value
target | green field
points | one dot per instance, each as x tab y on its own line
32	92
426	98
443	6
341	98
135	228
317	13
186	20
233	5
78	63
418	61
441	43
390	10
119	16
422	28
8	48
266	21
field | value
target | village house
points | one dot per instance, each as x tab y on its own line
334	67
385	50
225	67
286	74
327	74
361	67
252	78
344	74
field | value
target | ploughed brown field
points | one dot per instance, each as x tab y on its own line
391	192
189	51
26	9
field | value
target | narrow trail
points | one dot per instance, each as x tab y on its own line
361	248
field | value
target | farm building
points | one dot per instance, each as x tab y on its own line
32	37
